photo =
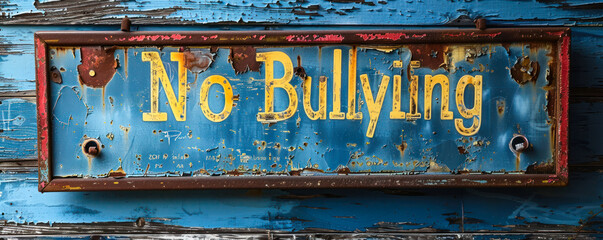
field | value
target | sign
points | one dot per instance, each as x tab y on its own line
272	109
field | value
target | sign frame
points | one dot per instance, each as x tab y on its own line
44	40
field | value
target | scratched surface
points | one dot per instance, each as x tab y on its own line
241	143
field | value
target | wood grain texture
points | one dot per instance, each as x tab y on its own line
514	210
17	57
574	211
309	12
18	130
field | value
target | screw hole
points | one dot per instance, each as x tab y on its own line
519	143
91	147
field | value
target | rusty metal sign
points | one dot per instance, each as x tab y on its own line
272	109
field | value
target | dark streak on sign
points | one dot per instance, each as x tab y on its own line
243	59
98	66
299	70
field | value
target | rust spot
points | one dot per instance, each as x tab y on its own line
401	147
500	107
541	168
506	45
198	61
551	89
234	173
525	70
342	170
243	60
430	55
55	75
462	150
119	173
98	66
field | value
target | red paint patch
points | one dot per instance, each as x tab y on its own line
473	34
209	37
490	35
386	36
314	38
564	102
141	38
178	37
42	109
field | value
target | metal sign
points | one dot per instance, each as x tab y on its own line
337	109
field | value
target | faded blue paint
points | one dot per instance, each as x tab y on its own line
18	135
313	12
296	210
113	114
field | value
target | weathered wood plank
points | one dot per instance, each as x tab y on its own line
19	165
309	12
572	209
275	235
17	59
18	131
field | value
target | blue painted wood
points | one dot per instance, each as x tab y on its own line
17	51
575	208
515	210
309	12
18	128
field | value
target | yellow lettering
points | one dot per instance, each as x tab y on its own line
158	73
222	81
397	98
430	82
322	98
352	114
336	113
374	107
269	115
413	89
476	111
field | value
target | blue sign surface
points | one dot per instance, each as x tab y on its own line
300	110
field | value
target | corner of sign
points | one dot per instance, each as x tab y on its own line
41	186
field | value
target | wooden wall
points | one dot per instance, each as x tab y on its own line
574	211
